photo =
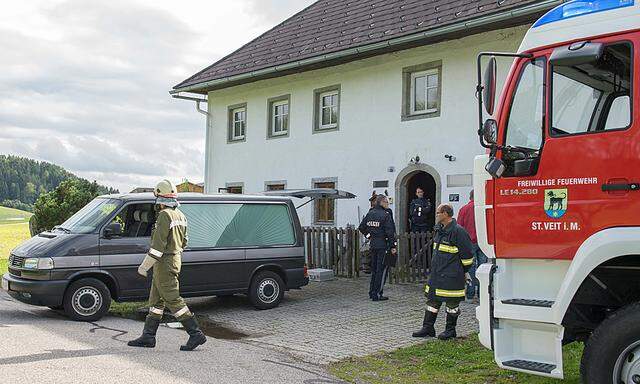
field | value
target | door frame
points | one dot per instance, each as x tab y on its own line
403	198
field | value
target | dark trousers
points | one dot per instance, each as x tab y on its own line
419	228
377	272
451	304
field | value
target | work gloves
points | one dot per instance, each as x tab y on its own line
146	265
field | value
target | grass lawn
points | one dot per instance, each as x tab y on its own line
10	236
13	216
461	361
14	229
127	310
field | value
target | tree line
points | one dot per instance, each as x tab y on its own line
23	181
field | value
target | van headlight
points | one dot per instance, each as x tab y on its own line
38	263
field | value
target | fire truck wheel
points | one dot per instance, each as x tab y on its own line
612	353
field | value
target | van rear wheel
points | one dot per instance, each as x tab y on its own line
612	353
266	290
87	300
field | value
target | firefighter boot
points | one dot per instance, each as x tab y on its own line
427	329
196	337
450	330
148	338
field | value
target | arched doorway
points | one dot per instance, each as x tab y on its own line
413	176
428	184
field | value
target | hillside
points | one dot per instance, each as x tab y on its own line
23	180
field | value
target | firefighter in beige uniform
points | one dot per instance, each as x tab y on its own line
168	239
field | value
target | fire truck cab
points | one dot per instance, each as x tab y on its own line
558	195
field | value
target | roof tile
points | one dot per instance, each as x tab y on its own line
332	25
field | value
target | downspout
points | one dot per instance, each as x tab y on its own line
208	133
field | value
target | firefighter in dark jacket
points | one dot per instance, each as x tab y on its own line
419	210
452	258
377	226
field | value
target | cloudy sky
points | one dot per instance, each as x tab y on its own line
84	84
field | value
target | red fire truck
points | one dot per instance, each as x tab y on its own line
558	194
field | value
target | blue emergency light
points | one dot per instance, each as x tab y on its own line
580	8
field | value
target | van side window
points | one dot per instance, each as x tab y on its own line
136	220
238	225
595	96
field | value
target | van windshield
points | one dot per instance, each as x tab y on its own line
90	216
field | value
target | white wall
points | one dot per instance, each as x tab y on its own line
371	137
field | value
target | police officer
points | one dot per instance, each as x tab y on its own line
377	225
390	258
419	210
168	239
452	258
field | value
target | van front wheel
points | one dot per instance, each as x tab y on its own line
266	290
87	300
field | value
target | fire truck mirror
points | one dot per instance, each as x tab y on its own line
489	86
495	167
490	131
576	54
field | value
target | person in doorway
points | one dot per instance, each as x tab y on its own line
419	210
466	219
168	239
377	225
452	258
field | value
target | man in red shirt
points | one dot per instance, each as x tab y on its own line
466	219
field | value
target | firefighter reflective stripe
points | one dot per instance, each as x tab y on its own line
157	311
446	248
446	292
155	252
453	311
181	312
432	309
467	262
175	223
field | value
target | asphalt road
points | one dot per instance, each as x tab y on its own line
39	346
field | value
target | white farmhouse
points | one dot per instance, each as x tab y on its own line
360	96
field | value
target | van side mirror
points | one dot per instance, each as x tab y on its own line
495	167
113	230
576	54
489	86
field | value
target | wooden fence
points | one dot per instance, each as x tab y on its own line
346	252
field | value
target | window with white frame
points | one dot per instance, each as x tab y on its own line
237	123
279	117
328	109
424	92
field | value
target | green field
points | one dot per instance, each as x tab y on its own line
461	361
13	216
10	236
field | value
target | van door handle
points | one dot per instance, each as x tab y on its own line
620	187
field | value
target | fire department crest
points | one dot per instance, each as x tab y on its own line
555	202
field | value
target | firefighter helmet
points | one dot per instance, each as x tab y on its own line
165	188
